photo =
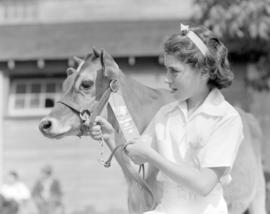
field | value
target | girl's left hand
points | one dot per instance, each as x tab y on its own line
138	151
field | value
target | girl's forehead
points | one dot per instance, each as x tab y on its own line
172	61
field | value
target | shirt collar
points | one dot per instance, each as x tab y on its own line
214	104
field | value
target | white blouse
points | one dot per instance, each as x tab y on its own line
209	137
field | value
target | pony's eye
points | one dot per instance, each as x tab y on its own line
87	84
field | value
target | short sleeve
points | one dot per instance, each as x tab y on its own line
222	146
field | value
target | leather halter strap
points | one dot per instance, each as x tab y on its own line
96	109
113	87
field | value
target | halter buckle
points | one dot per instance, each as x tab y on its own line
85	115
114	86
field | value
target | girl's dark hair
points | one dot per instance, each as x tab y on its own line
215	62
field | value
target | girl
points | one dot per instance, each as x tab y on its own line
194	140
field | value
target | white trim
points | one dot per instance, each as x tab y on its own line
29	112
42	95
11	64
50	11
40	63
131	60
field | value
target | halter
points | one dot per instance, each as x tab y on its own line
88	115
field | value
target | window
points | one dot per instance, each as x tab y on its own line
33	96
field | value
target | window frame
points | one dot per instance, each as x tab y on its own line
41	110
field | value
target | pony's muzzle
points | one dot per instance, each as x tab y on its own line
45	125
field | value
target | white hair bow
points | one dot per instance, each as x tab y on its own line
185	31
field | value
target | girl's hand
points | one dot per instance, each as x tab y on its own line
138	151
102	128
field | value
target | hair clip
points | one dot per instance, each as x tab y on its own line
184	29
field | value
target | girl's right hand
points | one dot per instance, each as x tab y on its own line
102	128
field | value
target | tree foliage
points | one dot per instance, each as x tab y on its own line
244	26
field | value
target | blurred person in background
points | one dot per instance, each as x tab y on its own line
13	194
47	193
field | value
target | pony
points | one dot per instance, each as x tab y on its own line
86	91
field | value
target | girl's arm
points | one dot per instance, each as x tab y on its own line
215	157
202	181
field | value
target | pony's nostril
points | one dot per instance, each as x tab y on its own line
45	124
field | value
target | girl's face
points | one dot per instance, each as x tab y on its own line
184	81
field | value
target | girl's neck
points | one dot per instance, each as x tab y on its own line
195	101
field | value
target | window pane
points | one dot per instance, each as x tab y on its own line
51	88
19	102
28	95
49	103
59	87
34	101
35	88
21	89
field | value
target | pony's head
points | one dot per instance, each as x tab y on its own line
83	88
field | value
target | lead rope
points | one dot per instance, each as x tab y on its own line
122	147
85	116
101	152
86	122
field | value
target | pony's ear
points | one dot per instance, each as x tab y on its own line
96	52
110	67
70	71
78	60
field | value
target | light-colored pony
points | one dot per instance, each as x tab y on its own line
86	85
